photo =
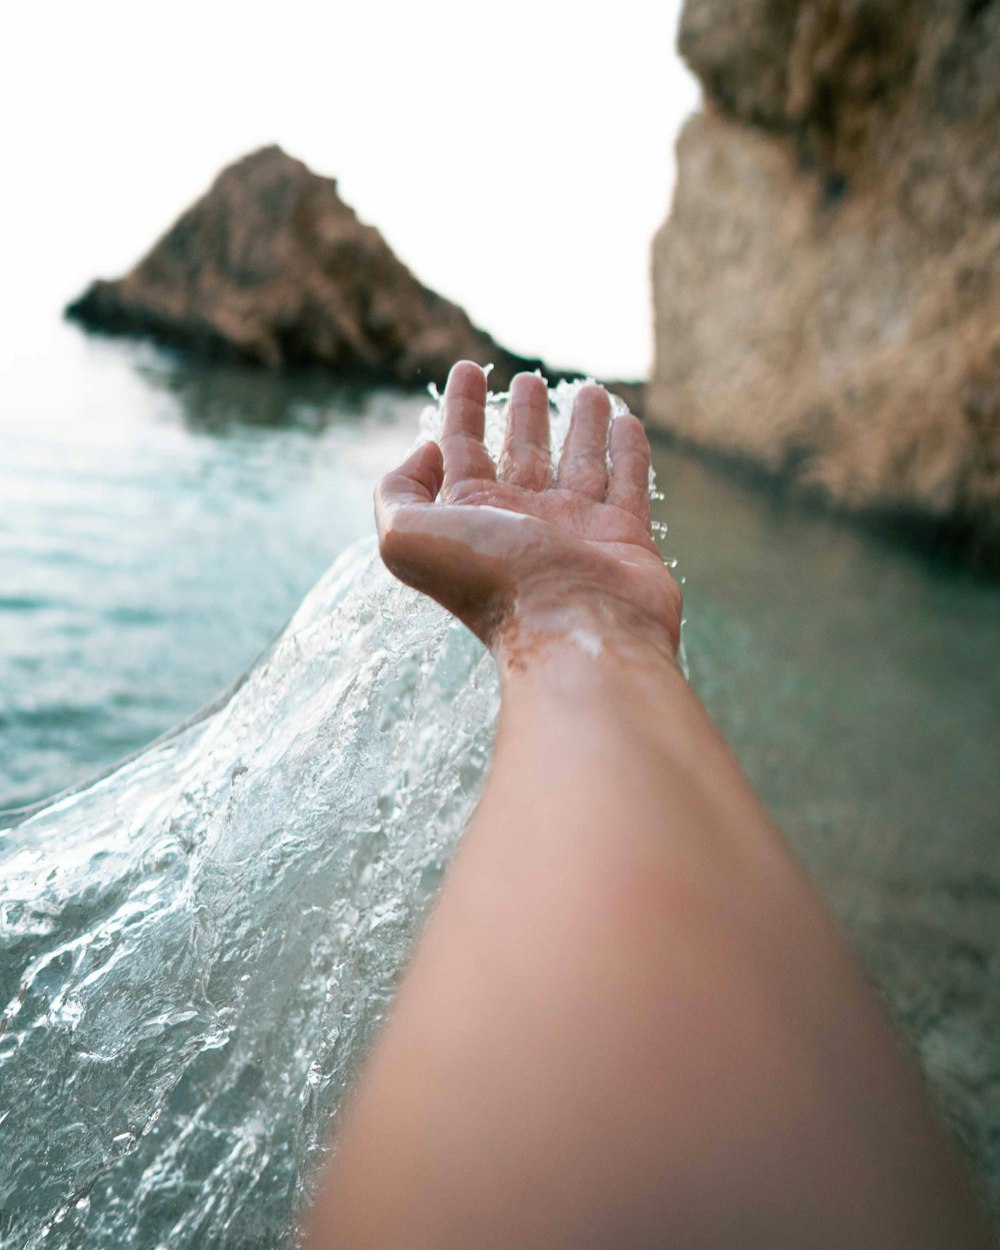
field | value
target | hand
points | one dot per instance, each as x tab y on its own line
517	554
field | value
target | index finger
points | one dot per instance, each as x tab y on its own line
464	424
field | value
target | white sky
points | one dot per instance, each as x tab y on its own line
518	157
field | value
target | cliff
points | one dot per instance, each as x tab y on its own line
827	286
271	266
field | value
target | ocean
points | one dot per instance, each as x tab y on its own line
160	521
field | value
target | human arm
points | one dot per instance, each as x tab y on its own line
630	1020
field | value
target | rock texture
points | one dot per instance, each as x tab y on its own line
272	266
827	287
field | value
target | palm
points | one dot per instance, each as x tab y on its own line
575	515
510	533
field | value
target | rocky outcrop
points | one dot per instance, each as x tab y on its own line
827	287
273	267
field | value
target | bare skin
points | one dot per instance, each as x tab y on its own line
630	1021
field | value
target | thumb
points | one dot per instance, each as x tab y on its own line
417	481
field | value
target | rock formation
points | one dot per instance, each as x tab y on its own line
272	266
827	287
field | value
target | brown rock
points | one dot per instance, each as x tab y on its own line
273	267
827	287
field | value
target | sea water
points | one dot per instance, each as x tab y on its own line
197	947
160	520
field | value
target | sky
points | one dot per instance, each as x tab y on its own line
518	157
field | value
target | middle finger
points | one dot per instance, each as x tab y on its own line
526	459
583	466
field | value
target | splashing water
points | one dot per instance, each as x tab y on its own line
197	946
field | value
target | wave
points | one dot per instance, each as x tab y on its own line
196	947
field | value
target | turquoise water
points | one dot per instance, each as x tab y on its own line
857	679
159	524
162	520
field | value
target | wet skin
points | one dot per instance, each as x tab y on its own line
514	549
631	1020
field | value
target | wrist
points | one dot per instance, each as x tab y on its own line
606	686
593	635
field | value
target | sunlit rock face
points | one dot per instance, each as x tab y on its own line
271	265
827	287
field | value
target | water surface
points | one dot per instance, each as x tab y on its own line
856	677
161	521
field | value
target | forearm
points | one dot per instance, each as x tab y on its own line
630	1020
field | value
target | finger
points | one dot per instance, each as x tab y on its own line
464	423
628	485
526	459
583	466
417	481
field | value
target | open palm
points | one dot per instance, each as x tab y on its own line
513	545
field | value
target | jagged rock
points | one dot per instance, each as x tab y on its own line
827	287
272	266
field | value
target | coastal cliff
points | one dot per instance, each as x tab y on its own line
827	286
271	266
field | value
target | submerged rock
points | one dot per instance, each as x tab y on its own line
827	287
271	266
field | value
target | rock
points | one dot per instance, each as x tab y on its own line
827	286
273	267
